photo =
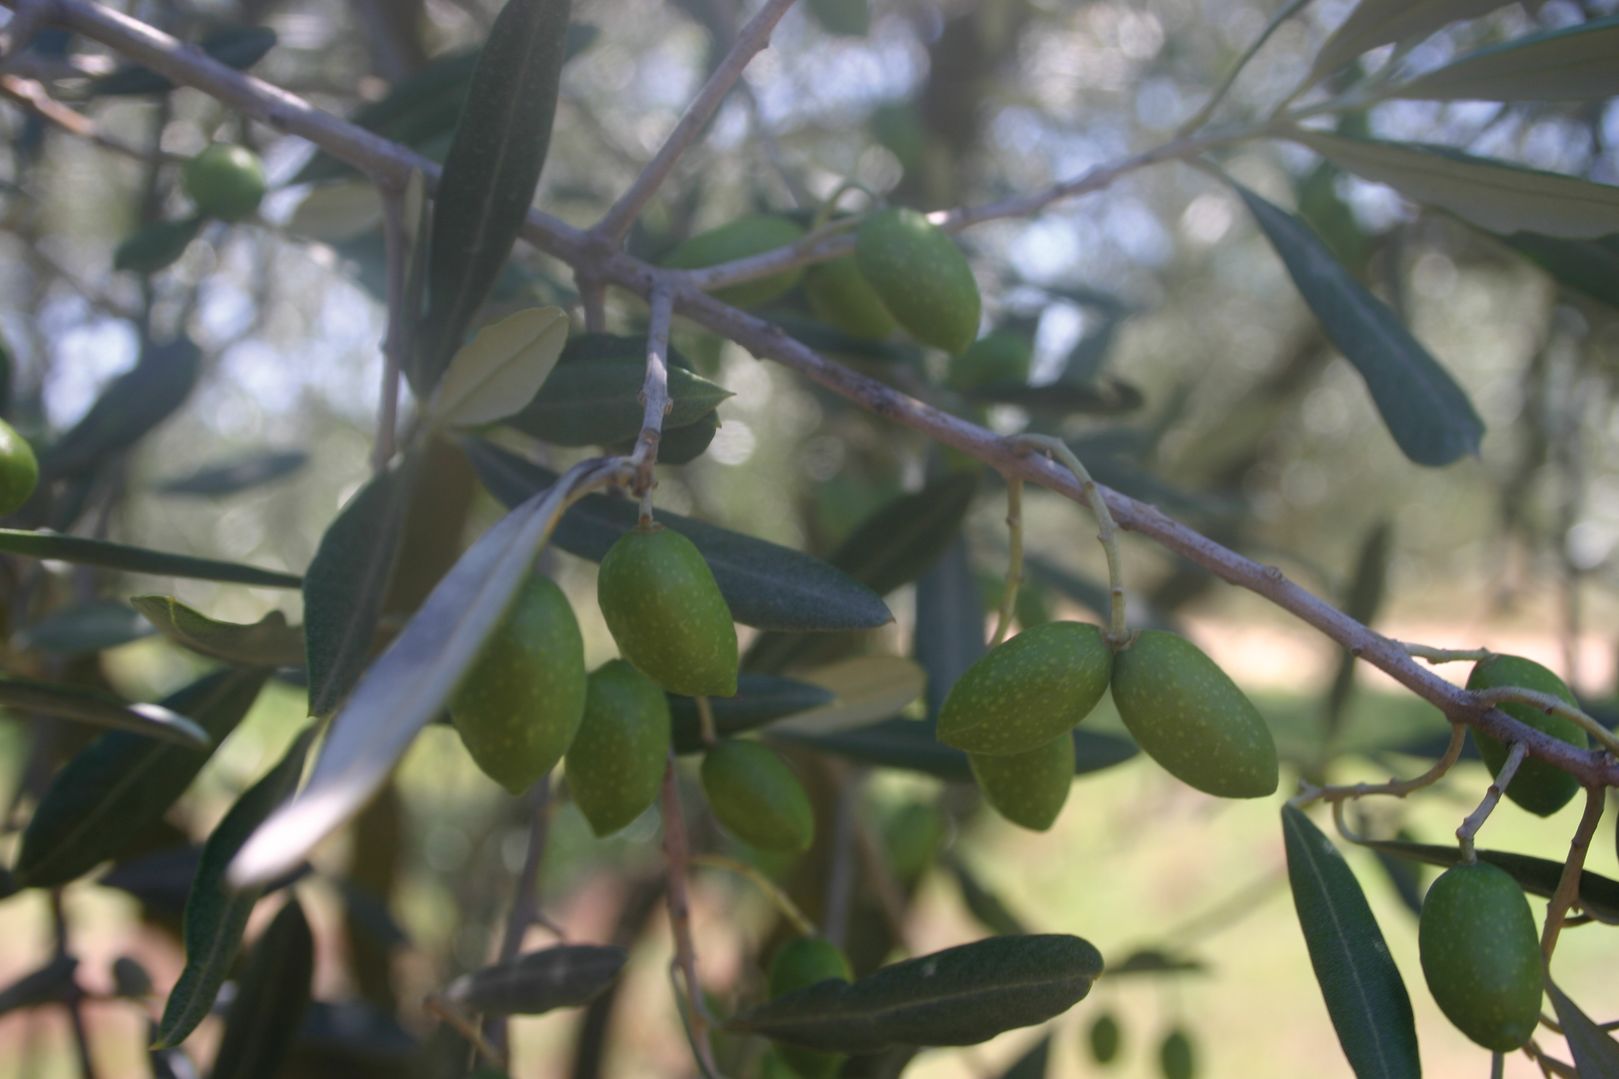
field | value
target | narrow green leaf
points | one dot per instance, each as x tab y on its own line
984	904
1383	22
215	916
1103	397
410	683
347	582
99	710
129	408
53	983
1494	195
500	370
239	47
1365	995
270	1001
766	585
1033	1064
1591	267
1599	896
909	745
1571	64
949	635
1596	1054
269	642
246	473
597	403
960	996
92	552
122	783
95	626
1155	963
760	699
564	976
1426	412
1361	601
491	171
156	245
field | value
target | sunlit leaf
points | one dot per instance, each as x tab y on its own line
269	642
864	689
333	213
1384	22
92	552
1574	63
564	976
499	371
272	997
99	710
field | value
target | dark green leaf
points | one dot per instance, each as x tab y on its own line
1365	995
1151	961
1089	355
156	245
233	477
490	173
1361	601
347	582
1574	63
983	904
960	996
1588	266
53	983
1105	397
949	622
564	976
766	585
94	626
1599	896
271	1000
91	552
269	642
909	745
683	445
1404	876
1595	1053
130	407
597	402
122	783
1033	1064
760	699
239	47
99	710
215	916
1427	413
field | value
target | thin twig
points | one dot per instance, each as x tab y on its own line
1552	706
1107	530
1445	655
525	897
778	898
32	96
1567	892
1398	788
655	401
1014	561
465	1027
1475	820
840	877
678	858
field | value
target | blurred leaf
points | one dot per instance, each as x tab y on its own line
1571	64
828	339
1104	397
91	552
239	47
233	477
270	1001
53	983
1403	875
1085	361
1150	961
1599	896
99	710
1365	995
766	585
269	642
1384	22
333	213
683	445
910	745
347	583
490	173
94	626
130	406
597	402
983	904
410	683
864	688
960	996
564	976
760	699
1595	1053
156	245
1428	414
1591	267
500	370
354	1040
949	634
168	1063
1033	1064
216	916
1361	601
1494	195
122	783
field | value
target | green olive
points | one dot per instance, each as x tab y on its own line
225	181
756	796
19	469
617	760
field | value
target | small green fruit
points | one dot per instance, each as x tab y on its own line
1539	787
756	796
1028	789
850	18
519	706
840	296
19	469
912	836
225	181
1481	956
742	238
1175	1056
666	612
998	357
1105	1038
922	277
897	126
1028	690
1188	716
800	963
617	760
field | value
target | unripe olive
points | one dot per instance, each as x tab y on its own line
1481	956
999	356
840	296
912	836
19	469
1176	1059
800	963
665	610
519	706
1186	714
1539	787
617	760
922	277
1028	789
1105	1039
756	796
1028	690
225	181
739	239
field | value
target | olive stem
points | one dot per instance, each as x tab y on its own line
829	207
32	96
705	721
655	401
1567	892
444	1011
593	297
677	857
1445	655
1475	820
1552	706
780	899
1398	788
1107	530
1014	562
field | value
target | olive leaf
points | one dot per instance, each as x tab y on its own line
129	408
760	699
99	710
92	552
94	626
864	689
1361	601
1595	1053
1033	1064
233	477
564	976
499	371
597	403
910	745
333	213
960	996
272	998
1426	412
1599	895
269	642
1590	267
1365	994
986	907
949	635
1382	22
156	245
1574	63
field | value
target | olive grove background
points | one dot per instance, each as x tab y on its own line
1177	357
